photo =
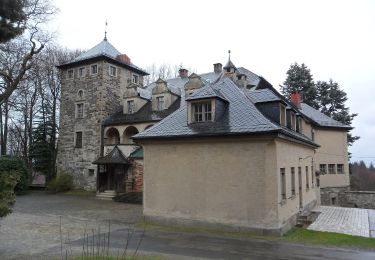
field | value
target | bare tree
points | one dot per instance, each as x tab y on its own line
164	71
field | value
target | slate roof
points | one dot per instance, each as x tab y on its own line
145	114
239	118
103	49
206	92
262	95
137	154
321	119
113	157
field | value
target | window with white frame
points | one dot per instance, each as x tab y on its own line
135	78
340	168
112	71
160	103
70	74
323	168
202	111
79	110
131	106
82	72
331	169
94	69
293	121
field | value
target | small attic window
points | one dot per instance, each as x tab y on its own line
282	115
293	121
201	111
135	78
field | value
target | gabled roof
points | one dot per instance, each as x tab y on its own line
240	117
321	119
113	157
206	92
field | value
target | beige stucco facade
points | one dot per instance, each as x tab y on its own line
333	150
227	182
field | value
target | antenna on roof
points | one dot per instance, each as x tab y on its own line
229	54
105	30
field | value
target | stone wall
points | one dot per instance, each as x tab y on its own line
332	196
358	199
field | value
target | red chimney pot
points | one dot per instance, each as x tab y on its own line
295	98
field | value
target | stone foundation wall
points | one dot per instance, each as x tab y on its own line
358	199
332	196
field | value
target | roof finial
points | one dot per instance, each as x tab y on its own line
229	54
105	31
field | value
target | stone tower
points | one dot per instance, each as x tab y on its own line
92	88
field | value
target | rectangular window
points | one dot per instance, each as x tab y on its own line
112	71
135	78
82	72
340	168
70	74
131	106
312	177
323	168
307	177
160	103
293	121
293	181
283	183
300	125
78	139
79	111
94	69
202	112
331	169
282	115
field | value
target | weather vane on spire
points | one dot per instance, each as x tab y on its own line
105	31
229	54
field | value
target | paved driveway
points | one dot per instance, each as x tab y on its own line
33	232
351	221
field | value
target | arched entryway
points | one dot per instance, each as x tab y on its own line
128	133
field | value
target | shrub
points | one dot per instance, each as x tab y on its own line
10	165
7	196
61	183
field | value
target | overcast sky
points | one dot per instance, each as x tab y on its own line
335	39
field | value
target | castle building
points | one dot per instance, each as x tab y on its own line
220	148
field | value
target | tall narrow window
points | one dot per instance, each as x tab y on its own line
160	103
282	115
131	106
135	79
78	140
293	181
82	72
79	113
307	177
283	183
293	121
340	168
312	177
331	169
94	69
202	112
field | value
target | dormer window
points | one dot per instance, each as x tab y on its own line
282	115
131	106
202	111
293	121
160	103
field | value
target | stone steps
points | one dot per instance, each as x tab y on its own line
306	218
106	195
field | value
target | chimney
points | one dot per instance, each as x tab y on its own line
218	67
123	58
295	98
183	73
241	80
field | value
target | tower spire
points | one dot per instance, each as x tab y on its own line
229	54
105	30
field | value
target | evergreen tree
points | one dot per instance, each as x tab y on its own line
299	79
331	102
12	19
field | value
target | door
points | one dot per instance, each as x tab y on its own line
120	177
300	188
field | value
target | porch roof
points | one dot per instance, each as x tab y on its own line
113	157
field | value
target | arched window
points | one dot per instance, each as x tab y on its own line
128	133
80	94
112	137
